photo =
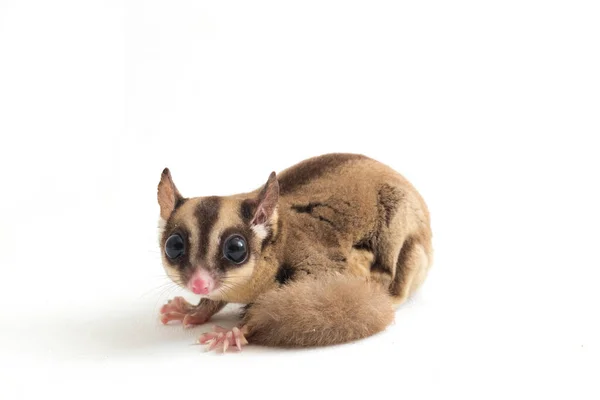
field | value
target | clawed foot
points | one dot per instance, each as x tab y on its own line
224	338
178	309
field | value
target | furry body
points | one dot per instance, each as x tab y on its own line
334	242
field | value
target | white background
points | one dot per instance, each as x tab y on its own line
491	109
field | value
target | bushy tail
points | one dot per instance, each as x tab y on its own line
325	311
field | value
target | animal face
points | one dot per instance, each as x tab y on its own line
210	245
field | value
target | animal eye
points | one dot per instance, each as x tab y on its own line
235	249
174	247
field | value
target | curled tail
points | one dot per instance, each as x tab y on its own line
316	312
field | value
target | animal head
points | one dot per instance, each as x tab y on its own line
210	245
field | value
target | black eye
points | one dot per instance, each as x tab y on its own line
174	247
235	249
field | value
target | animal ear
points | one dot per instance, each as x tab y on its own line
168	195
267	201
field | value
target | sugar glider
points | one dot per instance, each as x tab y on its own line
319	255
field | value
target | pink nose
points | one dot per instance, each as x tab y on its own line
200	286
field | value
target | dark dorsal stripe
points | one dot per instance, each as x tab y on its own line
206	213
311	169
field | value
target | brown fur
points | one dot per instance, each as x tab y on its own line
316	312
341	215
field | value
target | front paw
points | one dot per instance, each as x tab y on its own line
178	309
224	338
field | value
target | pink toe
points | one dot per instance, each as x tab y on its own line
207	337
238	341
218	328
225	345
219	339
